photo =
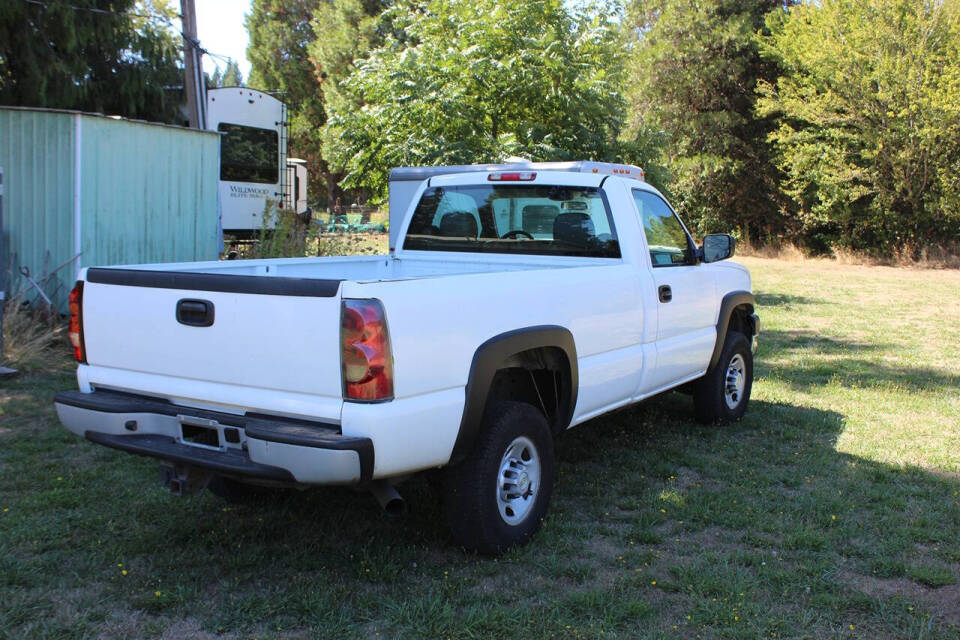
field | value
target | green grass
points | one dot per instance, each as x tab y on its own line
830	511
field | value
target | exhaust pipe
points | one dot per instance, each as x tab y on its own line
390	501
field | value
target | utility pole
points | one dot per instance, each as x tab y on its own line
192	67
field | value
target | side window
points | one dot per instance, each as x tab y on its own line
665	235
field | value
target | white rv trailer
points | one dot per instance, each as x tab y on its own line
254	170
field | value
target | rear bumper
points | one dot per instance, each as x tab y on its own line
242	446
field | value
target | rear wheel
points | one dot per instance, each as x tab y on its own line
723	393
497	498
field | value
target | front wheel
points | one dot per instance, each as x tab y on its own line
497	498
723	393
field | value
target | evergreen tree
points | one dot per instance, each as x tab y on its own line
693	72
57	54
295	51
231	76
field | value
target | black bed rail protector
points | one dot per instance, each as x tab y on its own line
227	283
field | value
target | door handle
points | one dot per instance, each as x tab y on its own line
665	293
195	313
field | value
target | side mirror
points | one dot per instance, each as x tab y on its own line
718	246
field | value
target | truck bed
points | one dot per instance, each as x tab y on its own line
273	341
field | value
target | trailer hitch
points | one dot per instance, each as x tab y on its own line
184	480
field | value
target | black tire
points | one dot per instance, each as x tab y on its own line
709	396
471	492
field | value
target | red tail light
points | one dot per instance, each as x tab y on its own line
75	331
367	360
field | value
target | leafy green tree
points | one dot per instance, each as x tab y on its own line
869	120
58	54
459	82
693	68
229	77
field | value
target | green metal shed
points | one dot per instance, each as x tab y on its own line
85	189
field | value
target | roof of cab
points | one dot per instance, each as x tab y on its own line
405	174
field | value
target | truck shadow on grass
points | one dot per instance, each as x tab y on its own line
750	529
654	518
815	359
780	299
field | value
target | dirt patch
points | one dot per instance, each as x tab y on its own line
942	601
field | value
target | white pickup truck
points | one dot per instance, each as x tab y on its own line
522	300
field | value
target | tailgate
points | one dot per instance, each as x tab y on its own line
266	332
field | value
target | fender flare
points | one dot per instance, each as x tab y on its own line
730	302
489	358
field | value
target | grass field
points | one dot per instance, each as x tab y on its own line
830	511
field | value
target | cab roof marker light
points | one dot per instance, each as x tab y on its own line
512	176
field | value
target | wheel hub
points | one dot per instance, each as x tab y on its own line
735	382
518	480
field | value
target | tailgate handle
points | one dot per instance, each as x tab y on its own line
195	313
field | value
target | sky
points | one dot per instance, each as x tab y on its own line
220	30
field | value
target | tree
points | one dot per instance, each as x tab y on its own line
460	82
692	76
298	49
59	54
231	76
350	28
868	112
280	32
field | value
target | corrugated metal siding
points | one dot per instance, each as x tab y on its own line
36	153
149	193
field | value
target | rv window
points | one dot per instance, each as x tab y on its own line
248	154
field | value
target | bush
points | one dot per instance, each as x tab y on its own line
868	106
34	339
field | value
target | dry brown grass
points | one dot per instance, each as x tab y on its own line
944	257
790	252
33	339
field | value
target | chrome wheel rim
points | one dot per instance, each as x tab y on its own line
735	381
518	481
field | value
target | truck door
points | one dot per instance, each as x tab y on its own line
686	296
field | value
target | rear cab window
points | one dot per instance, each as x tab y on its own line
532	219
